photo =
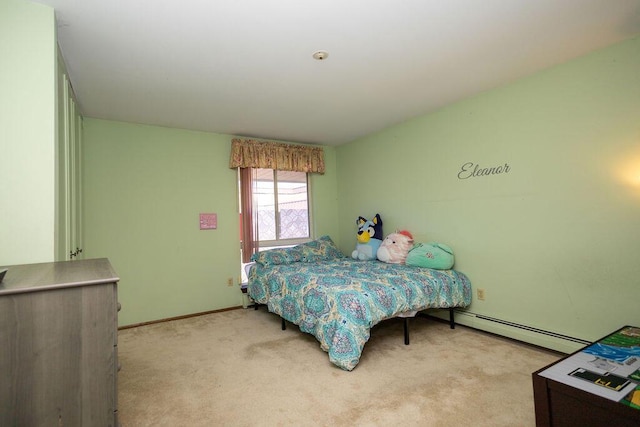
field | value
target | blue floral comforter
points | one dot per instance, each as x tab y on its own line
339	301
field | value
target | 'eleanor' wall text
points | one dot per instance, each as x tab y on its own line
473	170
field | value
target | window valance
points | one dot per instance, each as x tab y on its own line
249	153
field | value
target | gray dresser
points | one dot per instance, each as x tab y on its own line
58	344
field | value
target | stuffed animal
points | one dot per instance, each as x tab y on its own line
431	255
395	247
369	238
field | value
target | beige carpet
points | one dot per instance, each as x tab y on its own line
238	368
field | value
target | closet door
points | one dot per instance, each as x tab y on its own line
75	181
69	242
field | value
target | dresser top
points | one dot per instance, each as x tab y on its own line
51	275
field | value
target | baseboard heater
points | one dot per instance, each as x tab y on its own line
524	327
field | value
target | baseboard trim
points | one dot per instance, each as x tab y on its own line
532	329
504	328
169	319
427	315
527	334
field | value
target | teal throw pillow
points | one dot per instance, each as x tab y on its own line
321	249
431	255
278	256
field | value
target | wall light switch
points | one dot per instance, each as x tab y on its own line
208	221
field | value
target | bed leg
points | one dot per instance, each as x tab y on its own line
284	325
255	305
406	331
452	324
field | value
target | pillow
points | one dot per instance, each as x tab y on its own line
431	255
278	256
395	247
321	249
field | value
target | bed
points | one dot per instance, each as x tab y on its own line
338	300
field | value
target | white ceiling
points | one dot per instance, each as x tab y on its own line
245	67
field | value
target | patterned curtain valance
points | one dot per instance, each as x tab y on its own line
248	153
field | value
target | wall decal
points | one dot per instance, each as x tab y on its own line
208	221
473	170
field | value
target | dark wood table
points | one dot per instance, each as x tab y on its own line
558	402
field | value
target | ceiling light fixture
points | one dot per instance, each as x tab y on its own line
321	55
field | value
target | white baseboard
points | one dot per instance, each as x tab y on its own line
541	338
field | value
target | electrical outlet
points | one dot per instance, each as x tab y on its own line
480	294
230	281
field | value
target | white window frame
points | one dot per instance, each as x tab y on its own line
279	243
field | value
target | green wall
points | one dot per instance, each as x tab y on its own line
144	188
555	240
27	132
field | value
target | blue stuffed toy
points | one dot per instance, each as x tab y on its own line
369	238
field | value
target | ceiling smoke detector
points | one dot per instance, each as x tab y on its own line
321	55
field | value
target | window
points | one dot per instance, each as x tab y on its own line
277	205
274	203
274	209
282	200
